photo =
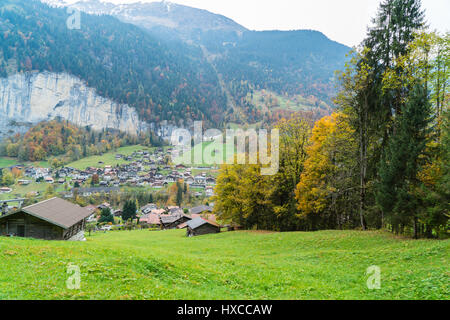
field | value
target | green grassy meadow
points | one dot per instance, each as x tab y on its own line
231	265
108	158
7	162
20	191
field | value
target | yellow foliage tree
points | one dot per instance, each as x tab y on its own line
327	179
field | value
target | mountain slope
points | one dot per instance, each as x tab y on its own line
119	60
172	62
182	19
288	63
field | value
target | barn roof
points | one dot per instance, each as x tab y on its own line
198	222
150	218
200	209
166	219
58	211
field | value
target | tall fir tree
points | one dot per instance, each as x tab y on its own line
401	162
371	106
129	210
393	30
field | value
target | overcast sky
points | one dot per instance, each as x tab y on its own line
344	21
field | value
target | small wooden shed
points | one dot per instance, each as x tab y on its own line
200	226
52	219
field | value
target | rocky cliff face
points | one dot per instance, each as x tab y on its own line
28	98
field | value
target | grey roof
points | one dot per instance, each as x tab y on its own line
198	222
176	211
200	209
172	218
57	211
169	218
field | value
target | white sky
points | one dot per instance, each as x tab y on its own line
344	21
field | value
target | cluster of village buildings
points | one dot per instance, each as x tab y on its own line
143	169
171	217
58	219
50	219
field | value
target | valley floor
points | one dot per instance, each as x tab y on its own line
231	265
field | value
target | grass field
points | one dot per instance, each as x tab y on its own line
108	158
268	100
230	265
21	191
207	150
7	162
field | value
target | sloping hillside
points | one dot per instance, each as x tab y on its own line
230	265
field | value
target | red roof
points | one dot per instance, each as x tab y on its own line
150	219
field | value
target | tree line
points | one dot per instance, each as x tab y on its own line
64	142
380	160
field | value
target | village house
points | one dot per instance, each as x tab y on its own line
5	190
209	191
117	213
49	180
189	180
53	219
172	221
157	185
150	219
148	208
200	180
201	210
200	226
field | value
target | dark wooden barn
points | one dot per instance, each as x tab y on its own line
172	221
200	226
53	219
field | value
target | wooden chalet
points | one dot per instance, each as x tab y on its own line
200	226
201	210
150	219
172	221
53	219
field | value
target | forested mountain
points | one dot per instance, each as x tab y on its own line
172	62
286	63
186	21
119	60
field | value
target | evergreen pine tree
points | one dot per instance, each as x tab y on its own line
401	162
129	210
106	216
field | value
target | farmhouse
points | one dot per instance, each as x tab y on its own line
200	226
172	221
201	210
23	182
53	219
5	190
150	219
148	208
